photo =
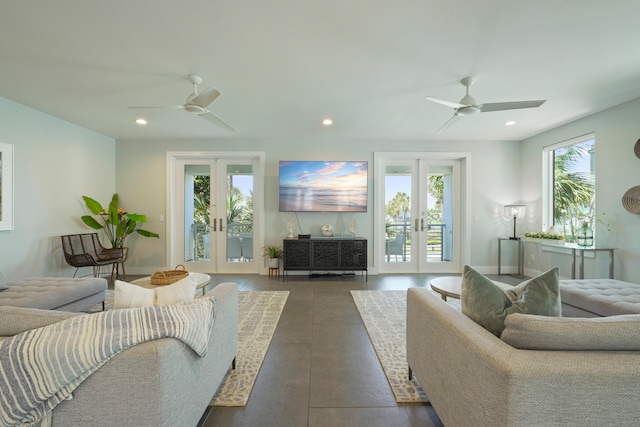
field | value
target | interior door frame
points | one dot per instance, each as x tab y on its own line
380	160
173	250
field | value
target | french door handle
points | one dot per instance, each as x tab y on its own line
220	219
421	224
214	225
416	224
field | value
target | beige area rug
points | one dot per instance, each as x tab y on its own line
384	316
258	316
259	313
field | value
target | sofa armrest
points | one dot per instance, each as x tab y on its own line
161	382
460	365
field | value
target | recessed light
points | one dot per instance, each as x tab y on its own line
141	121
327	122
510	123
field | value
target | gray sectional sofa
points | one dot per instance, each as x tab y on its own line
472	377
156	383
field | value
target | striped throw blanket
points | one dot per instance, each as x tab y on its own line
40	368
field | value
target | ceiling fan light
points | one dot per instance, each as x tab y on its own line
467	111
192	108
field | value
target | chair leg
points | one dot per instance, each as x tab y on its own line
115	269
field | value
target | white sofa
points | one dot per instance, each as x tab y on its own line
473	378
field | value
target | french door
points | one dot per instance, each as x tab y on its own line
214	207
420	225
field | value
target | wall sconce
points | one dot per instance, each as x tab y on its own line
515	211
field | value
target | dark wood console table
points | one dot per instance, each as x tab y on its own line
325	254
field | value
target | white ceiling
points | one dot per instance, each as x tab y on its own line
283	65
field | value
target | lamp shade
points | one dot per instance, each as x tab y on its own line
515	211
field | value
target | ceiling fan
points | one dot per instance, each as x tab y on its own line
468	105
197	103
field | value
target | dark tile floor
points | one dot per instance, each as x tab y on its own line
321	369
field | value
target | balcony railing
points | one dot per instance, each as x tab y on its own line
398	242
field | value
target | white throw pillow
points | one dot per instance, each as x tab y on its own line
131	296
182	290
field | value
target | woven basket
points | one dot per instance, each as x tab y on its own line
168	277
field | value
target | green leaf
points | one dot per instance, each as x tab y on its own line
94	206
91	222
137	217
130	226
113	209
147	233
121	229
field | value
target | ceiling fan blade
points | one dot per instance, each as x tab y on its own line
500	106
445	102
151	107
206	97
216	120
449	123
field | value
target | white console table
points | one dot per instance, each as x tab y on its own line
576	252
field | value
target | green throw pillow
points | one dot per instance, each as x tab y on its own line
488	305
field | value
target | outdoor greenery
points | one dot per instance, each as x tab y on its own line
574	192
398	215
239	206
550	236
116	223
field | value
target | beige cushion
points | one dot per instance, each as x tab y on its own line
128	295
15	320
532	332
487	304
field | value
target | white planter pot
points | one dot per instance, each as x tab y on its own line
273	262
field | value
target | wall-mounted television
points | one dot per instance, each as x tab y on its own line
321	186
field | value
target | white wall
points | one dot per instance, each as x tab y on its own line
617	169
55	163
141	183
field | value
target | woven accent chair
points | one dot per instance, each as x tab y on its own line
85	250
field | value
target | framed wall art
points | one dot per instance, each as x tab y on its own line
6	186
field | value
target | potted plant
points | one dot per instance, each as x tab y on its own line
272	253
117	224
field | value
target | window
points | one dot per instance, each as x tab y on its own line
569	187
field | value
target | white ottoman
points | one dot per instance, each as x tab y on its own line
55	293
599	297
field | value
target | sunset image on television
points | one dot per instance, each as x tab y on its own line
316	186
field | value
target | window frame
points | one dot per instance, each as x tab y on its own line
548	169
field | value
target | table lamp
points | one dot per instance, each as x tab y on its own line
514	211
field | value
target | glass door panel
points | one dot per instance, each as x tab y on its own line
398	188
440	215
193	214
239	237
